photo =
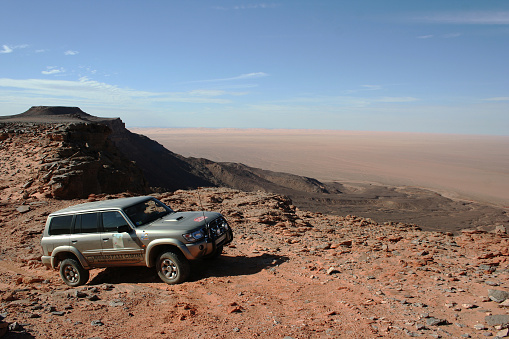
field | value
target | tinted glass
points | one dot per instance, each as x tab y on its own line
86	223
60	225
112	220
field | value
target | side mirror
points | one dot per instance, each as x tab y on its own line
124	229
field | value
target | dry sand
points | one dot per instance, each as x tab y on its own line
471	167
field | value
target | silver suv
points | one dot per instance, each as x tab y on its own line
137	231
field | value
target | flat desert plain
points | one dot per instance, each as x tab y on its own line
470	167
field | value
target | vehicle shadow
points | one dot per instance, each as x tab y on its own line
223	266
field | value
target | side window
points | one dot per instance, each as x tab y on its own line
112	220
86	223
60	225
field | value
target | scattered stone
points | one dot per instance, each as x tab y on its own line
116	303
80	294
503	333
93	297
432	321
500	229
235	308
23	209
107	287
15	327
480	327
468	306
498	319
498	296
332	270
96	323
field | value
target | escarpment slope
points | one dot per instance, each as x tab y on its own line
163	169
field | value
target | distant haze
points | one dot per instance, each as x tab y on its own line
459	166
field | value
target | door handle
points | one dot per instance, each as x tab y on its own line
74	241
106	239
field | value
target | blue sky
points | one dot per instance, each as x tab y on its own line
413	66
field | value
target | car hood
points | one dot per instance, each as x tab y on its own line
184	220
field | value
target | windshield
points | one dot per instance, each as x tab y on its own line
147	211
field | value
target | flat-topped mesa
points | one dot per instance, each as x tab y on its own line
54	114
53	110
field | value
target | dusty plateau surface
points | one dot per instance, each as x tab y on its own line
472	167
288	274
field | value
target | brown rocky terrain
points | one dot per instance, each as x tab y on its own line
290	273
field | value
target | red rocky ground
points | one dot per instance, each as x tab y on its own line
288	274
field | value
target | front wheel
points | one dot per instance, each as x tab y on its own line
172	268
72	273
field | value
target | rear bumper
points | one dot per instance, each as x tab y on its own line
46	260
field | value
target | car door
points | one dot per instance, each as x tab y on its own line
119	248
86	237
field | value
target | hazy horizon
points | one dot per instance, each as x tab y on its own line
137	127
471	167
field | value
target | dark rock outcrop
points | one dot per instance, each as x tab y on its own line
75	160
85	153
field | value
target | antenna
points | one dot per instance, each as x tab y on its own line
203	213
199	198
201	205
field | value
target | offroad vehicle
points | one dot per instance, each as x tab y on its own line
135	231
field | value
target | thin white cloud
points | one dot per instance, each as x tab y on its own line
451	35
372	87
246	76
396	99
90	92
497	99
331	102
51	70
248	6
69	52
255	6
425	36
468	18
9	49
6	49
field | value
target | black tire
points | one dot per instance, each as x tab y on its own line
72	273
172	268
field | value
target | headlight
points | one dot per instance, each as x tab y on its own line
195	236
225	225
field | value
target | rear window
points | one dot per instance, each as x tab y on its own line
60	225
86	223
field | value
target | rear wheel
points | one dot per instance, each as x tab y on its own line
172	267
72	273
